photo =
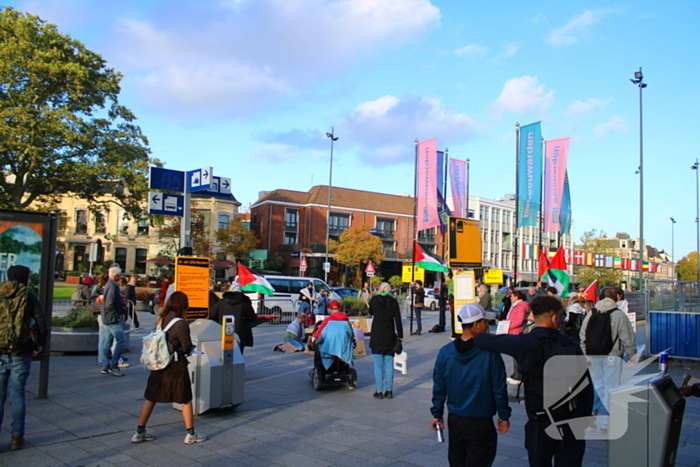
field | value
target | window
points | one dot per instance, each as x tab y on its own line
120	257
496	215
122	223
81	220
142	227
290	238
470	214
254	222
338	224
101	222
63	222
141	256
223	221
290	219
388	247
385	226
427	235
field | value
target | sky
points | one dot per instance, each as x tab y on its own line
250	87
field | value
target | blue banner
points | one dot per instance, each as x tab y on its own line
565	213
529	175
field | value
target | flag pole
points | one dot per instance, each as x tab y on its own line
444	199
543	196
514	282
415	231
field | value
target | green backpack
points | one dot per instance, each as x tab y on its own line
14	327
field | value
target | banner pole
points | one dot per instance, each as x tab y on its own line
543	196
517	202
415	231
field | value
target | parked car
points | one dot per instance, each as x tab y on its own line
346	292
430	301
284	302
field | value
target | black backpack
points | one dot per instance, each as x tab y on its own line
599	339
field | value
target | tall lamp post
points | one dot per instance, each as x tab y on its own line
673	248
638	81
333	138
697	214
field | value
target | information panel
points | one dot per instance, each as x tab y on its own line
463	243
408	269
465	292
192	279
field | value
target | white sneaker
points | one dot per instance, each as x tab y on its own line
145	436
195	438
512	381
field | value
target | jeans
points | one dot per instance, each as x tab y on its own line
14	369
472	441
304	307
112	333
606	373
295	343
384	372
417	312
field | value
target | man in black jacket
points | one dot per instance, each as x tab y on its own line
112	324
532	351
237	304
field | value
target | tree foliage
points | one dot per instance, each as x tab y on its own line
169	235
62	129
596	242
356	247
687	268
236	240
274	262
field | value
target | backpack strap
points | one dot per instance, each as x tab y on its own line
170	324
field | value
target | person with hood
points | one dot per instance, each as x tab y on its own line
15	364
607	332
81	295
307	297
386	329
459	365
575	313
236	303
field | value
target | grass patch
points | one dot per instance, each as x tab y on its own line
63	292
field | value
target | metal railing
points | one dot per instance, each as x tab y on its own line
673	295
284	310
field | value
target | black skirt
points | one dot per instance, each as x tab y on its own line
171	384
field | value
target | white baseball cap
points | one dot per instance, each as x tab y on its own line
473	312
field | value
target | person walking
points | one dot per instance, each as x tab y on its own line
418	305
519	311
16	357
171	384
459	365
112	314
130	292
575	313
386	329
238	304
365	294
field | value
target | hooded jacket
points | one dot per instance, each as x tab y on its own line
34	315
622	333
240	306
386	323
461	365
83	292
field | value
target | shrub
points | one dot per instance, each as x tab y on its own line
354	306
77	317
144	295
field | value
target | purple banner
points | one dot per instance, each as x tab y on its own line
458	170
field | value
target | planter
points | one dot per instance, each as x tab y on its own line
72	279
80	339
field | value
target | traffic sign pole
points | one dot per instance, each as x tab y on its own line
185	223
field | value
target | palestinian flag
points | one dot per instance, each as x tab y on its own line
557	276
543	266
424	260
592	291
253	283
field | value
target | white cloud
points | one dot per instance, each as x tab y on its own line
523	94
616	124
472	50
281	152
587	106
577	27
511	49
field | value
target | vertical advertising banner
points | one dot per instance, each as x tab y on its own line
556	153
458	171
529	174
427	209
565	215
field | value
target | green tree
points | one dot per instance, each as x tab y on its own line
274	263
356	247
596	242
62	129
395	282
687	268
169	235
236	240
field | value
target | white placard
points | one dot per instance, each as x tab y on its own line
464	287
503	327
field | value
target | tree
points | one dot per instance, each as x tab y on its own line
236	240
356	247
395	282
169	235
596	242
687	268
62	129
274	263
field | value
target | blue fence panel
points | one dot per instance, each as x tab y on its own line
679	332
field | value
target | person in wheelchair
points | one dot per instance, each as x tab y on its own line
333	342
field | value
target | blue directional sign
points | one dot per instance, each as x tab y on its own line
220	185
165	203
166	179
200	179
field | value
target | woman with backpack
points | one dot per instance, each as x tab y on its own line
171	384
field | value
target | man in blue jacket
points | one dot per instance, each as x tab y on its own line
473	381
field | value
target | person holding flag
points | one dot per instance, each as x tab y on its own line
423	260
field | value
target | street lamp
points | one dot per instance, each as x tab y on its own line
333	138
638	81
697	214
673	248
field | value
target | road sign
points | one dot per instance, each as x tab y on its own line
294	254
374	231
410	273
463	243
220	185
200	179
369	269
303	264
327	267
165	203
166	179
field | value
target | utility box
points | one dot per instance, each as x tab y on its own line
217	368
649	416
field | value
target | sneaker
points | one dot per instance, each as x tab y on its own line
194	438
115	372
123	359
378	395
145	436
389	395
104	371
123	364
512	381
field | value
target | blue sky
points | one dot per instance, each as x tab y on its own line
251	86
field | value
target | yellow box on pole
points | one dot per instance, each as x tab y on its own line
463	243
493	276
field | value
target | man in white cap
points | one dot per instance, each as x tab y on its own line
459	365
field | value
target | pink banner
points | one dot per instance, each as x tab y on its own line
427	208
458	171
555	155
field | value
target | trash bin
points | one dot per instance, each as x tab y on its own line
217	368
650	414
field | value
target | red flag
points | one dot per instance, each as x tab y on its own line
592	292
559	261
544	265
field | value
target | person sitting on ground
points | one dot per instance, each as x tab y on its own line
295	334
